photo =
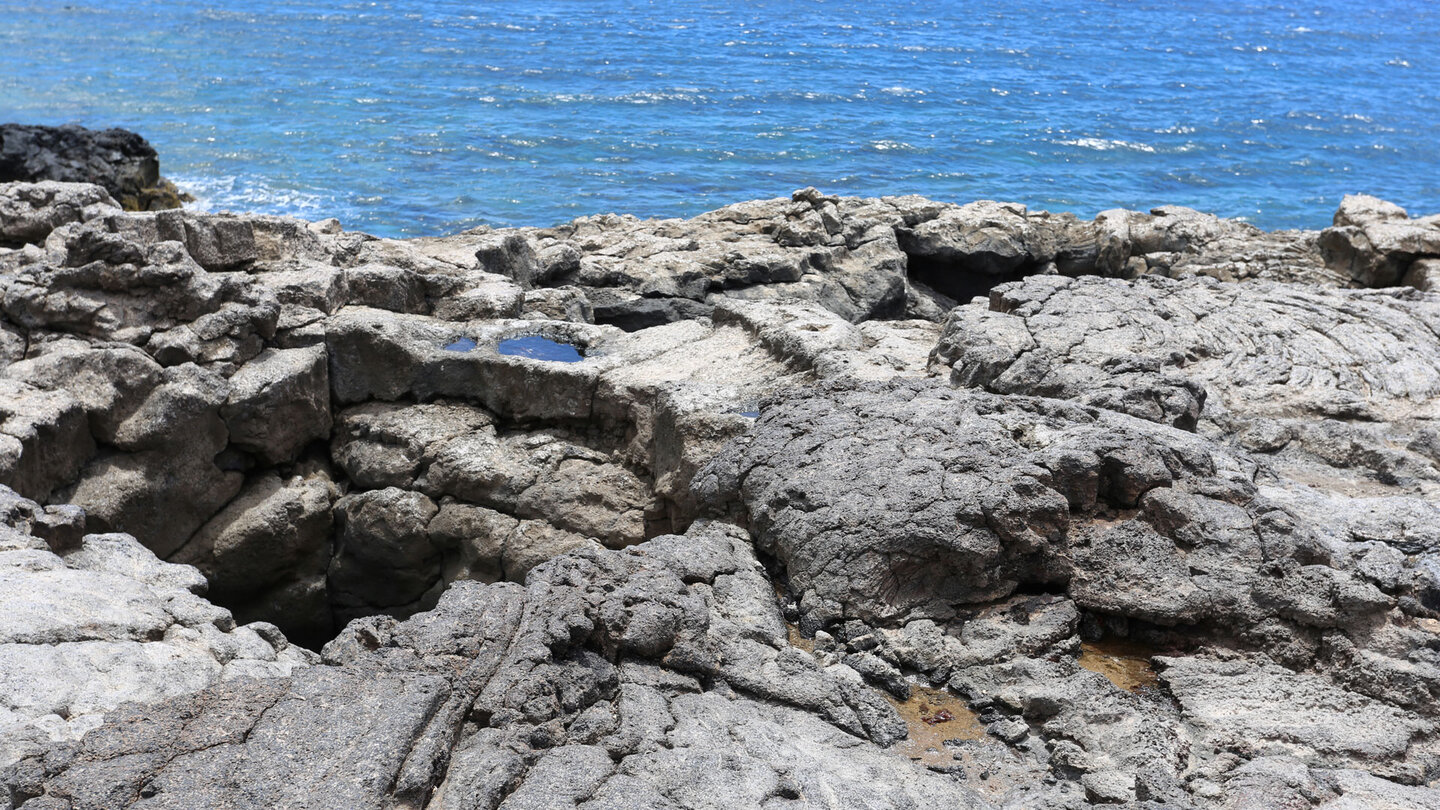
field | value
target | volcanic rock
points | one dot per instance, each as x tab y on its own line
809	501
120	161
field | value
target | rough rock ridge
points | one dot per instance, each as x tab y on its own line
654	677
842	503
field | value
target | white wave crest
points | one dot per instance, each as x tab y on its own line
1106	145
251	195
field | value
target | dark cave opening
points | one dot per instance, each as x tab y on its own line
963	281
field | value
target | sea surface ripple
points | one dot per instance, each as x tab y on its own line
419	117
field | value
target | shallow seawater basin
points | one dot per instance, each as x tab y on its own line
536	347
1125	663
464	344
934	716
797	640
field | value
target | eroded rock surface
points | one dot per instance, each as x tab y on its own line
831	502
89	622
656	677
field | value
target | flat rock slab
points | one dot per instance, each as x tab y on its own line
1266	710
1166	350
60	604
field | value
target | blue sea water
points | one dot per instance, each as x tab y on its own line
536	347
427	116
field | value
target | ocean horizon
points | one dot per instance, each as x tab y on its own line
408	118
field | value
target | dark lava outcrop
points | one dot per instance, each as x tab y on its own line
118	160
824	502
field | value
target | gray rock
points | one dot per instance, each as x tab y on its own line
274	534
509	254
105	625
473	295
44	438
162	496
385	559
307	283
1332	384
216	242
524	666
30	211
122	287
111	382
279	402
1424	275
1109	787
393	288
1163	350
561	304
381	444
1377	242
1262	710
982	493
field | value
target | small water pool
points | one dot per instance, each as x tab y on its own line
464	344
749	414
541	348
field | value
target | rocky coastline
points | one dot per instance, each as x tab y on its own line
803	502
118	160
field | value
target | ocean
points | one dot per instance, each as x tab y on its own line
405	117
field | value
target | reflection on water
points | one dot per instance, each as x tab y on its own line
1125	663
541	348
464	344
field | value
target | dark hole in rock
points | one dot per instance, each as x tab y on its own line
636	314
464	344
536	347
962	281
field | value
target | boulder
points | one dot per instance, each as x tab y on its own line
44	438
1376	242
110	382
385	560
30	211
279	402
274	534
120	161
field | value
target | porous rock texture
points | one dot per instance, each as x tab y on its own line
89	622
1148	499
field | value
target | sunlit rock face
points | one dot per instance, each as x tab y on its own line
814	501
